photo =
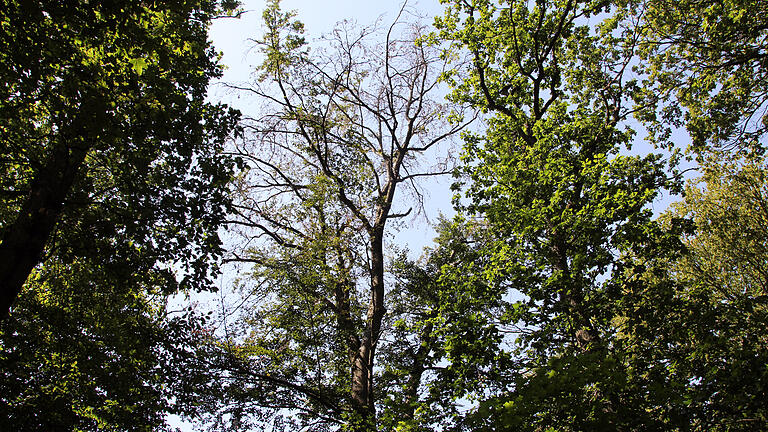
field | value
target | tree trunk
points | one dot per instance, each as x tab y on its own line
572	296
363	362
23	241
363	407
417	369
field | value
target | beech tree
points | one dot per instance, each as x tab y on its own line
346	133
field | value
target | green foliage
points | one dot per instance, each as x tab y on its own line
555	302
114	186
723	344
706	68
123	85
283	43
443	346
569	207
85	351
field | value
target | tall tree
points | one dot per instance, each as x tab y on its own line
105	133
552	178
113	186
346	133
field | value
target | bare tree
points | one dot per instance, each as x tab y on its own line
347	132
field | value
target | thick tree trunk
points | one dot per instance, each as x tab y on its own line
363	361
24	240
361	389
572	296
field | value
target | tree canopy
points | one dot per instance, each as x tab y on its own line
589	280
706	66
342	137
106	134
566	229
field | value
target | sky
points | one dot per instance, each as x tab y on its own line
231	37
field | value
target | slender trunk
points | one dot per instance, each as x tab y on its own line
24	240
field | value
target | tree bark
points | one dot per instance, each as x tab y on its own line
362	366
24	240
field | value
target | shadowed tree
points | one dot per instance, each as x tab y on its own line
104	131
113	185
720	328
